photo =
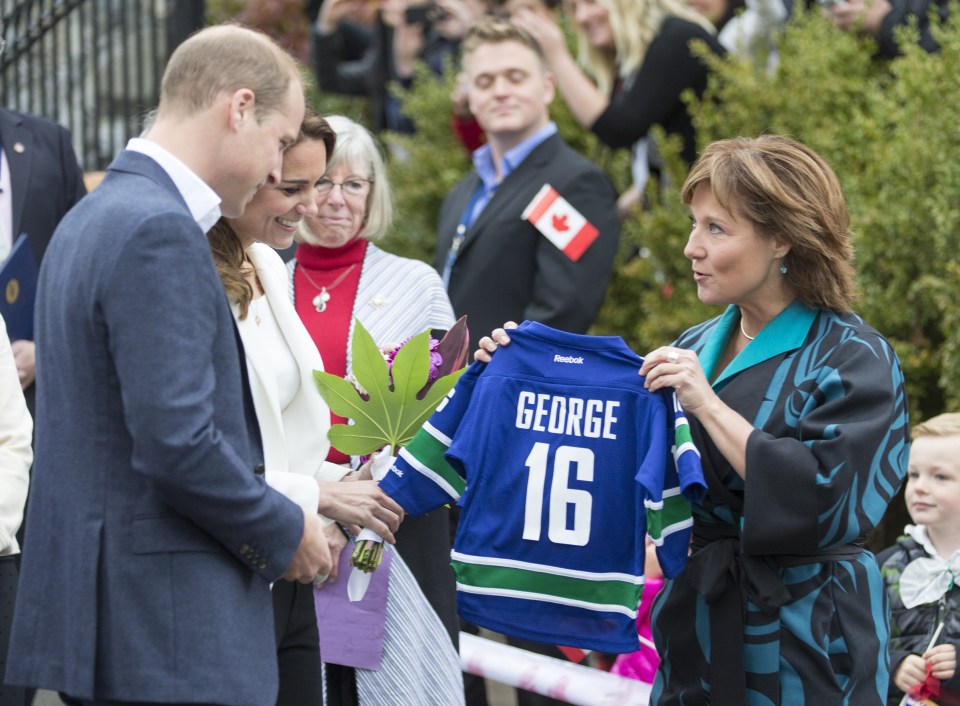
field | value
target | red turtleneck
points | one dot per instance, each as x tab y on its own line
322	267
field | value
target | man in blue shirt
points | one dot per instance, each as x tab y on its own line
497	265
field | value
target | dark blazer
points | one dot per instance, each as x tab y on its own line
506	270
150	539
45	180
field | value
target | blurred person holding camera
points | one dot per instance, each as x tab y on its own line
402	32
634	63
881	19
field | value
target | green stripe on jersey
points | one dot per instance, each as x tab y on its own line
429	451
675	510
566	588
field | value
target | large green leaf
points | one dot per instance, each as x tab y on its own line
390	413
370	370
353	440
416	415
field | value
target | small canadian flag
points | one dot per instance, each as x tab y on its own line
561	223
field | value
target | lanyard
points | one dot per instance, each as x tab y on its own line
461	231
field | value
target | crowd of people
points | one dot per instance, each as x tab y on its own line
187	513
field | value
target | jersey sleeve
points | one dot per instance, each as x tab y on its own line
421	479
673	481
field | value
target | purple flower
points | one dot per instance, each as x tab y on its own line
436	360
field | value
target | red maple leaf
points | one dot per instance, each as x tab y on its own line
560	223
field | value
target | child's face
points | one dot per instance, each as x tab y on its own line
933	481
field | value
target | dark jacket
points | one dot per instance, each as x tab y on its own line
912	628
506	270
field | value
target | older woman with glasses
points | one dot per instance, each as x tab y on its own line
339	275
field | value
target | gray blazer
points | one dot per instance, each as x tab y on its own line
151	541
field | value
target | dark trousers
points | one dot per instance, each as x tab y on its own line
298	644
9	695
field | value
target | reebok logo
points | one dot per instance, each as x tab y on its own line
578	360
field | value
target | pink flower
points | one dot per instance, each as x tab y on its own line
436	360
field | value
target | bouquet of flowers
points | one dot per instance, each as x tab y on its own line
391	396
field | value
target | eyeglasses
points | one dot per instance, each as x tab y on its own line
351	186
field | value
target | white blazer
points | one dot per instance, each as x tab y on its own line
295	443
16	454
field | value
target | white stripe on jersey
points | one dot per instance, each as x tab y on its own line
546	598
435	477
546	569
437	434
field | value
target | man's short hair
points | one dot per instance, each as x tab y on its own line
223	59
496	31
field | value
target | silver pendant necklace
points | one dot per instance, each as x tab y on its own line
323	296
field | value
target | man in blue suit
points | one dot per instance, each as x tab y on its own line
152	536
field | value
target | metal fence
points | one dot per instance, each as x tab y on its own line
91	65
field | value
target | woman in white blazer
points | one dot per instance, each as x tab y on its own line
16	455
291	415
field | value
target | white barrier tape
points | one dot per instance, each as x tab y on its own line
556	678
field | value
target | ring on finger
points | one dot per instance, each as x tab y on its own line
673	356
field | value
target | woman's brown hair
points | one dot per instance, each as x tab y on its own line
790	194
228	254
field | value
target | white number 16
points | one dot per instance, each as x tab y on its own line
561	494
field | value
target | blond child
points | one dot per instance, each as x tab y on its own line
921	570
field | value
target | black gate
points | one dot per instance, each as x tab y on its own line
91	65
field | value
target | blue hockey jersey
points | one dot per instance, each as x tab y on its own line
562	463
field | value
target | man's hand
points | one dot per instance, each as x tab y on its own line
313	554
361	503
25	356
336	541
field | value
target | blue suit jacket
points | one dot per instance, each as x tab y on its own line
150	539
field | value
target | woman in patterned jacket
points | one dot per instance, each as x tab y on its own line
799	411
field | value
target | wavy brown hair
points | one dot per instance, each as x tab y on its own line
228	254
790	194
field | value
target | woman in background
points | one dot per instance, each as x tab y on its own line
634	63
339	275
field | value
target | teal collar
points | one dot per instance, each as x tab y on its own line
786	332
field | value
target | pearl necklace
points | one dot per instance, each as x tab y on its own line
320	301
745	334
